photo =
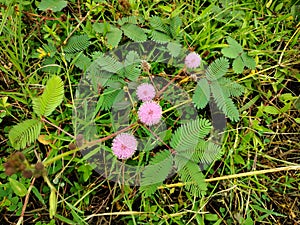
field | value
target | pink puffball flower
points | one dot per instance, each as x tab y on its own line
145	92
124	145
150	113
192	60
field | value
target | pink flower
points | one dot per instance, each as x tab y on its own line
124	145
192	60
150	113
145	92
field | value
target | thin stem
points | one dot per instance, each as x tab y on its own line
46	121
88	144
232	176
20	221
285	47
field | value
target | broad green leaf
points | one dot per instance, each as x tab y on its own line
248	61
233	50
18	188
53	5
174	48
238	65
271	110
114	37
134	32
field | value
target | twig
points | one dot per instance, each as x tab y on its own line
46	121
20	221
232	176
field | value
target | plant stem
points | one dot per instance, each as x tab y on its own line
88	144
232	176
20	221
46	121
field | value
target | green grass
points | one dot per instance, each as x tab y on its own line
32	45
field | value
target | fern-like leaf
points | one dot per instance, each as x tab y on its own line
82	61
201	95
52	97
109	96
24	133
224	103
156	172
158	24
207	152
175	24
194	180
131	69
107	63
230	88
188	135
77	43
128	19
134	32
217	69
159	37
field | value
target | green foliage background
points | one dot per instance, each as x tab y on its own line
46	44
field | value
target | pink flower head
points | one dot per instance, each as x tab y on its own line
150	113
124	145
145	92
192	60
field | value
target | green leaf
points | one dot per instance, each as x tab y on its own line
187	136
52	203
217	69
202	94
191	175
156	172
53	5
271	110
224	103
24	133
157	23
249	104
77	44
101	27
128	19
159	37
234	49
38	195
114	37
52	97
174	48
134	32
297	120
238	65
175	24
248	61
17	187
207	152
65	220
211	217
